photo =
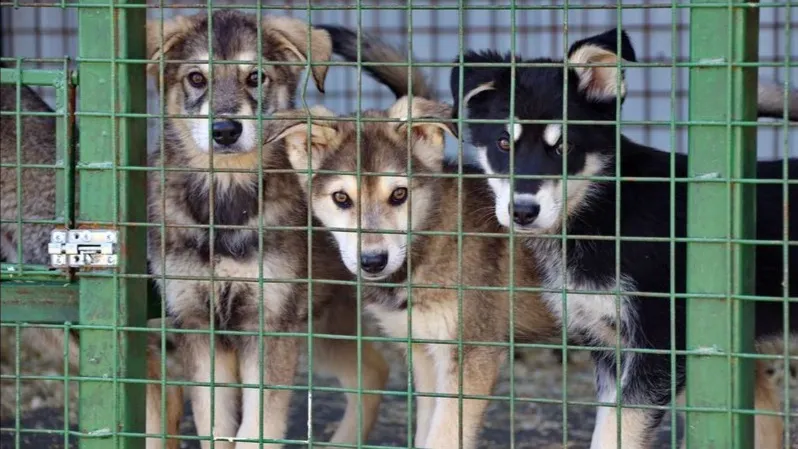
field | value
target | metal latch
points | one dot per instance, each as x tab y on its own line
83	248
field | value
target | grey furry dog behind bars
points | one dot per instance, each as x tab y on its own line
187	255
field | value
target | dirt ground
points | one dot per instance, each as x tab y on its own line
538	374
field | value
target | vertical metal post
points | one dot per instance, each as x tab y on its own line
721	208
110	194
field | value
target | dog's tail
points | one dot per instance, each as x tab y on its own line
770	101
373	50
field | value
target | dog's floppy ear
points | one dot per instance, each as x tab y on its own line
601	83
293	128
159	44
428	133
478	82
291	35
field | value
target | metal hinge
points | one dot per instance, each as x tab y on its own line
83	248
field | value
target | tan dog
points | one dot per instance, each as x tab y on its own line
389	200
235	253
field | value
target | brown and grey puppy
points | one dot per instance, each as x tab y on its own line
36	201
252	270
390	200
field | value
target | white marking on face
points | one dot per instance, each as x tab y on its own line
249	127
515	130
283	96
249	60
203	67
549	198
552	134
499	186
375	214
200	128
550	194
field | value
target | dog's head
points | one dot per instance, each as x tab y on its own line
539	149
222	77
385	198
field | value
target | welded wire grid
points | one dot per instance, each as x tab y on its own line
657	93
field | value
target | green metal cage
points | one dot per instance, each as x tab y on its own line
101	117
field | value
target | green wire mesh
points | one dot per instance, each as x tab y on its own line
109	309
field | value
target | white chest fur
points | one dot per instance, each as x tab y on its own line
181	295
432	320
592	309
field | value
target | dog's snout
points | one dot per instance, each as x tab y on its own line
227	132
525	213
373	262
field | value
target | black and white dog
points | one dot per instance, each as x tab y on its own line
535	206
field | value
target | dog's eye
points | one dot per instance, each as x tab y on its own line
342	200
197	79
256	77
398	196
503	143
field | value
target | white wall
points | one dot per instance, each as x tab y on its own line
51	32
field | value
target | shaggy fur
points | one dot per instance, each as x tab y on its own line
389	199
536	206
235	253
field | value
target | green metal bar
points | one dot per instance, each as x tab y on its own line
32	77
41	302
721	326
27	273
65	149
108	409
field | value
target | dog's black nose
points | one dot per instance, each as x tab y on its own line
525	213
226	132
373	262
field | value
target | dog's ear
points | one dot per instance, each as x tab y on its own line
478	82
159	44
292	35
294	127
427	134
601	83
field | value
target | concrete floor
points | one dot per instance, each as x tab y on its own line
538	374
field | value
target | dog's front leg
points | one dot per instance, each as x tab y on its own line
480	371
225	399
173	406
424	379
339	357
279	366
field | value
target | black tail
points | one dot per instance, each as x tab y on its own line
372	49
770	101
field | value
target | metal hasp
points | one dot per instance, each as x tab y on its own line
77	248
723	34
